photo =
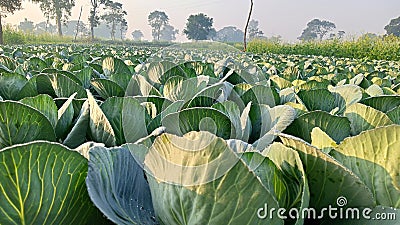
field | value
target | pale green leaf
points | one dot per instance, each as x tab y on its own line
198	179
364	118
100	129
374	156
328	179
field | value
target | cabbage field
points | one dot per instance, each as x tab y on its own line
181	135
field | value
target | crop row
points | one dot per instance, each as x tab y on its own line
183	136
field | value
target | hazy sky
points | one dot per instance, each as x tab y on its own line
276	17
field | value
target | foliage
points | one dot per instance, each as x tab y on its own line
15	37
115	16
199	27
12	36
59	10
157	20
7	7
379	48
316	29
393	27
10	6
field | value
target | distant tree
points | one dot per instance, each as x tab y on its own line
102	31
393	27
340	34
7	6
137	35
230	34
168	33
212	35
94	18
26	26
113	16
369	36
69	28
308	35
45	27
157	20
254	31
276	39
316	29
123	28
60	10
198	27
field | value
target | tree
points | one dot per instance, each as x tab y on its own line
60	10
94	19
168	33
230	34
113	16
198	27
247	26
254	31
157	21
7	6
393	27
123	27
137	35
316	29
26	26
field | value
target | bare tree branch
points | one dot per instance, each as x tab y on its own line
247	26
77	24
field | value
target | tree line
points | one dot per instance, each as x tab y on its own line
198	27
319	29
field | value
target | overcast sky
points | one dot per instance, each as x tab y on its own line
276	17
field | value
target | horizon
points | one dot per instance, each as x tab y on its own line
370	17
